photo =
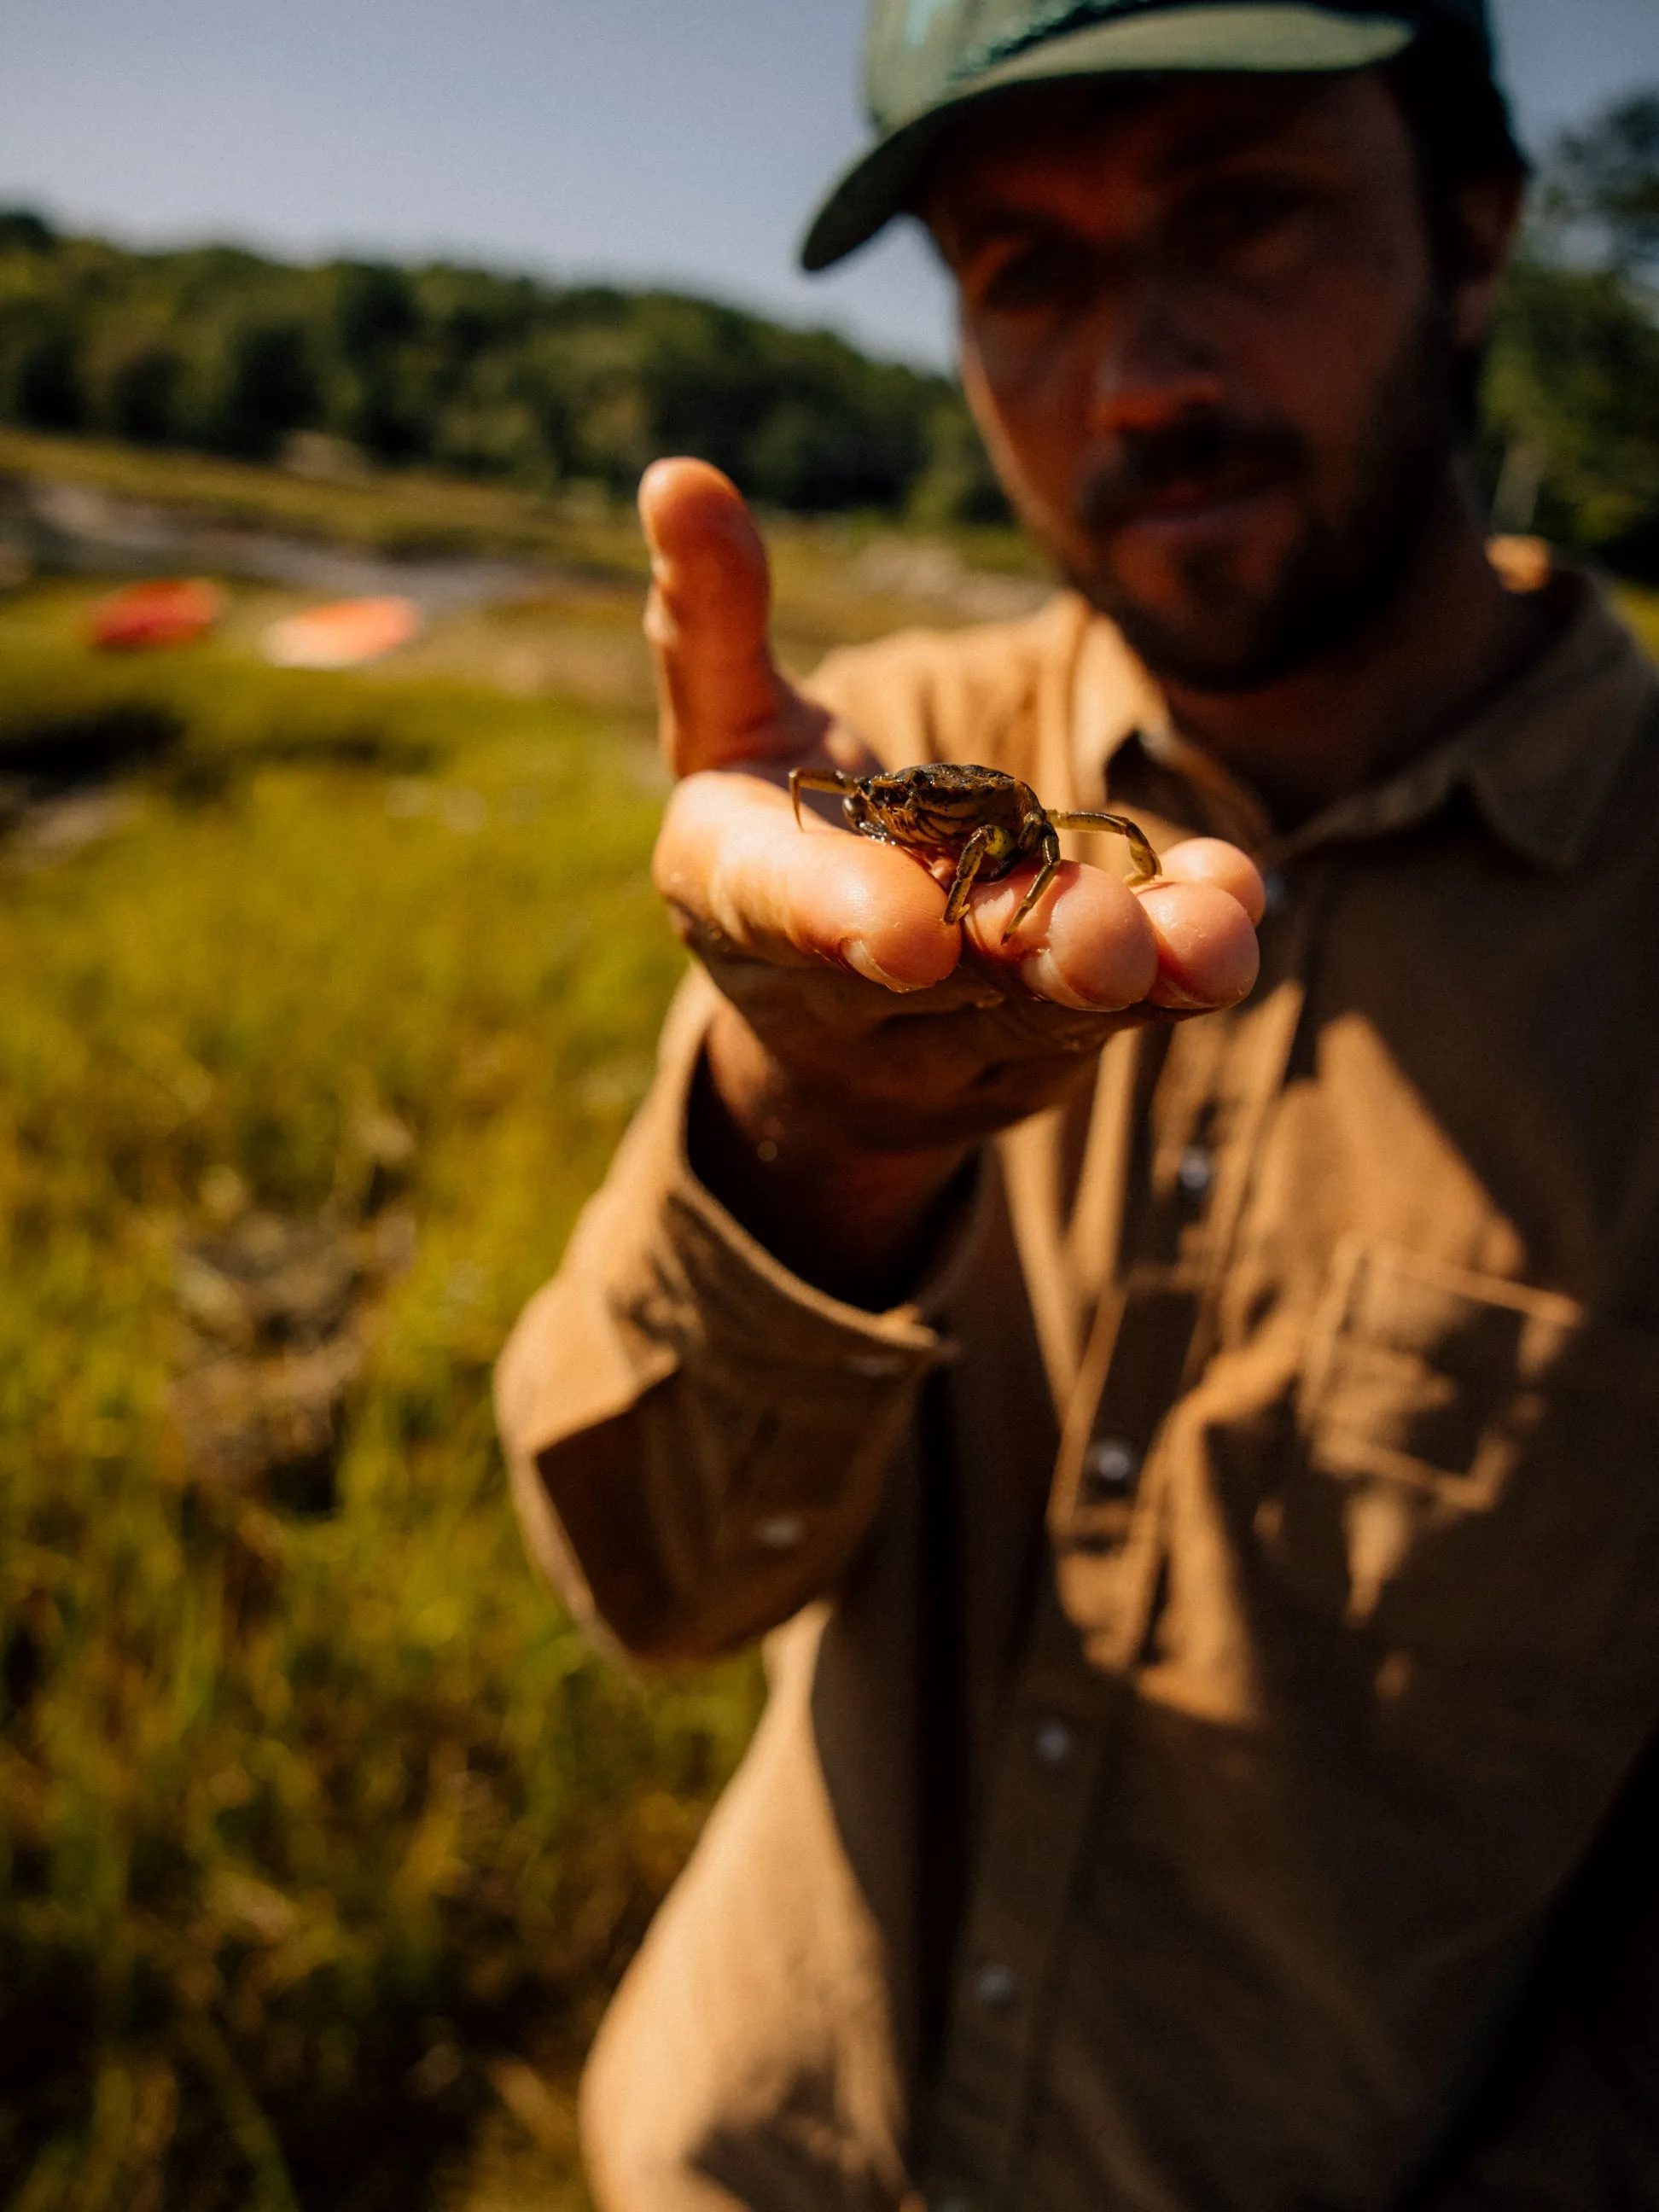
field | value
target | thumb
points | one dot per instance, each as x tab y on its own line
722	699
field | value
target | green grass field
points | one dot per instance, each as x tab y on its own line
324	1834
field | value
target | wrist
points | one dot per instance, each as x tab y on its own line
851	1219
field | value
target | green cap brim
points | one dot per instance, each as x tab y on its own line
1228	39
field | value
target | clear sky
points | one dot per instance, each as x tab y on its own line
674	141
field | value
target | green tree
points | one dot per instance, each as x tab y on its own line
1572	426
462	368
1606	179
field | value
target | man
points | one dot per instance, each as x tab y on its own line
1198	1473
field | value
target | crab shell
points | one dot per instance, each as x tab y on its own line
937	807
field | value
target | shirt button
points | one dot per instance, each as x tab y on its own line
1054	1742
1110	1466
875	1366
1196	1171
782	1533
995	1986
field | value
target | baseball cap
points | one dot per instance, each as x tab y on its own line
925	60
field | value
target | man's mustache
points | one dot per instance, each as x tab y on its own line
1207	450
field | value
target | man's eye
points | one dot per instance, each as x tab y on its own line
1244	215
1033	277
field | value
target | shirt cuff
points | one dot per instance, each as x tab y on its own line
699	1417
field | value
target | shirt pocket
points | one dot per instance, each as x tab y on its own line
1476	1474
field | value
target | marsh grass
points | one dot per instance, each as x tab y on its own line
399	512
322	1834
1641	610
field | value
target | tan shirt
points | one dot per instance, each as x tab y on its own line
1237	1572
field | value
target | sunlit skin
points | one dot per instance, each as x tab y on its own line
1109	282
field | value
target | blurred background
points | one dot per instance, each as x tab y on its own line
332	341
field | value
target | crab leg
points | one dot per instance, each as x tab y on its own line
1045	875
1133	835
816	779
968	863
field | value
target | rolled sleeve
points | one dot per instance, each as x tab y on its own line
699	1439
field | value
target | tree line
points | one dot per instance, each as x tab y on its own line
1572	444
526	382
487	376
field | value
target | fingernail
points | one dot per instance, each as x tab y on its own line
858	955
1178	1000
1039	973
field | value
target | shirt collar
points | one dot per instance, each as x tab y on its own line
1539	759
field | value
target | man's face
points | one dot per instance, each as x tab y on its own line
1204	335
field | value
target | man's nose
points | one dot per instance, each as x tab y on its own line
1151	363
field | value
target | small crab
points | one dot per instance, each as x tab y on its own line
987	823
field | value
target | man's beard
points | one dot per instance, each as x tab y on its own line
1343	570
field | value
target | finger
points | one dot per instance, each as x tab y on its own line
1206	949
1208	860
1086	944
731	857
723	698
1092	943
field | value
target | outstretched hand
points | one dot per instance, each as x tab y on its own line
867	1043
